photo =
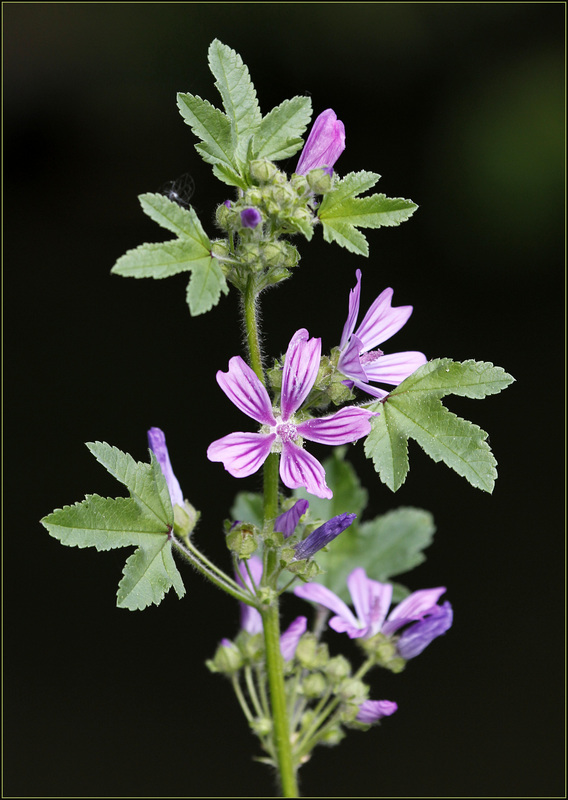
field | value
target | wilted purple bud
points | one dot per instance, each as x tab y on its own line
250	217
286	522
418	636
373	710
157	444
323	535
324	145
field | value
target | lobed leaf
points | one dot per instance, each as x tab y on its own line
206	284
184	222
414	410
161	260
144	520
348	494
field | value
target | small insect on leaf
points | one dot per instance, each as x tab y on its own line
179	191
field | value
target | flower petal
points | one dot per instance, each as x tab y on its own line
395	367
325	143
299	468
325	597
291	636
373	710
300	371
251	621
245	390
381	321
354	299
241	453
157	444
344	426
417	637
371	599
349	362
286	522
372	390
414	607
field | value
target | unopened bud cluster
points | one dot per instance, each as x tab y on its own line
273	206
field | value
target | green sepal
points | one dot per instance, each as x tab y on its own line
413	410
143	520
342	212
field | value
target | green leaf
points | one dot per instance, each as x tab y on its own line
342	212
190	252
413	410
184	222
145	482
238	94
280	132
229	176
143	520
148	574
249	507
205	286
389	545
161	260
211	126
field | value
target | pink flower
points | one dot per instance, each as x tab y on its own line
324	145
358	361
242	453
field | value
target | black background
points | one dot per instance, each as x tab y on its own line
461	108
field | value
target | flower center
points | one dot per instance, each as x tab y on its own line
286	431
368	358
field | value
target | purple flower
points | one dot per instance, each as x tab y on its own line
242	454
250	217
373	710
323	535
358	361
291	636
324	145
372	600
251	621
157	444
286	522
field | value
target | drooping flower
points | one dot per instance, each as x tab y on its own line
373	710
323	535
242	454
157	444
286	523
324	145
360	359
291	636
372	600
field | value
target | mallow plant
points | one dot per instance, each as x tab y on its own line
303	411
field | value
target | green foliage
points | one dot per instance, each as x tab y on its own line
230	138
413	410
342	212
144	520
249	507
191	251
388	545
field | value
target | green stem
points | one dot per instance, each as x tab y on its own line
251	325
281	730
216	575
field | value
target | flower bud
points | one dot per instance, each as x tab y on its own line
227	658
314	685
250	217
320	180
324	145
262	170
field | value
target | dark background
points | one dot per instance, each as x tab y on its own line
461	108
